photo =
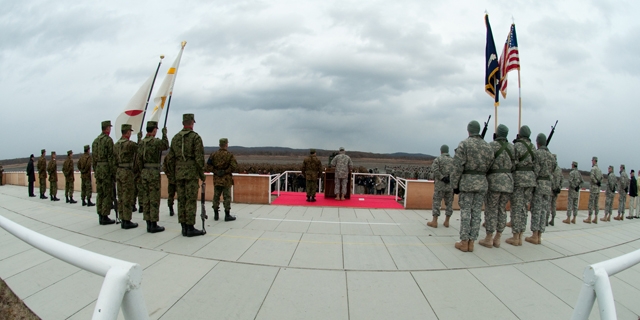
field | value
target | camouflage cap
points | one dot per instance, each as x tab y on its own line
188	117
126	127
502	131
224	141
622	166
106	123
53	153
594	159
525	132
611	167
70	152
541	139
87	147
312	150
152	124
473	127
43	151
574	164
444	148
341	149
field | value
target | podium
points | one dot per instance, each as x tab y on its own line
330	184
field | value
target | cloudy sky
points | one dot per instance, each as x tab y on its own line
378	76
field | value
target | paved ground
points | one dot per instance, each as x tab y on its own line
278	262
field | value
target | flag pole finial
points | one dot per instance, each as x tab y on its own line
161	56
513	20
184	43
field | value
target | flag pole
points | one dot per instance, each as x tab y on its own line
519	102
184	43
150	90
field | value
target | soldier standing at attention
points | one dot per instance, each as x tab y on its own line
343	165
52	170
542	167
594	190
623	190
84	165
471	162
633	196
442	168
222	163
168	166
311	169
124	152
69	179
500	180
612	183
31	176
104	165
575	181
524	181
42	173
556	187
149	153
187	154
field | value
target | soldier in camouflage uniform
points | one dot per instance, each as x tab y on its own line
52	170
500	187
623	190
442	169
104	165
472	160
594	191
42	173
343	165
312	169
168	166
84	165
612	183
556	187
187	157
69	179
524	181
542	167
124	152
149	152
222	163
575	182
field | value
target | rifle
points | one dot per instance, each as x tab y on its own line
115	202
484	130
203	210
553	129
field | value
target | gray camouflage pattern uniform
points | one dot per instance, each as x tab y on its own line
471	163
575	180
623	190
500	181
594	189
442	167
612	183
343	165
524	180
542	167
556	185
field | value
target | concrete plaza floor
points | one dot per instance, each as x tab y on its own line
279	262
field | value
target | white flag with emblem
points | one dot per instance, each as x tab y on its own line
166	88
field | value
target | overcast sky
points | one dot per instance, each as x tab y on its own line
378	76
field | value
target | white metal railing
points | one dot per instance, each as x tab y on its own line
122	286
597	286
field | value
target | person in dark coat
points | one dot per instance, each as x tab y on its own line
31	176
633	196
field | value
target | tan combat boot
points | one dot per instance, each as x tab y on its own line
573	220
462	245
533	239
587	220
496	240
470	247
595	220
338	197
621	216
520	237
446	222
605	218
509	224
487	241
567	220
342	196
539	237
513	240
433	223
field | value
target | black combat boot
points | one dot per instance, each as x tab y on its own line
228	216
89	203
42	196
154	227
55	198
216	216
184	229
148	225
72	201
104	220
171	213
134	209
308	199
193	232
313	199
140	209
67	198
127	224
84	203
51	197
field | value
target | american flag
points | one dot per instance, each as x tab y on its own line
510	59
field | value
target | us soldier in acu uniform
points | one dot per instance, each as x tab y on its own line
623	190
500	180
104	165
124	152
542	167
594	189
69	179
442	168
575	181
187	153
312	169
42	173
343	165
222	163
524	180
556	186
610	193
84	165
149	153
52	170
168	166
472	161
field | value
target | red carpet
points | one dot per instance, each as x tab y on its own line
367	201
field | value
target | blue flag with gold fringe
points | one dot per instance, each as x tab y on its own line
492	72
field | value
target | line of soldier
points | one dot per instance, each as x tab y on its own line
50	170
